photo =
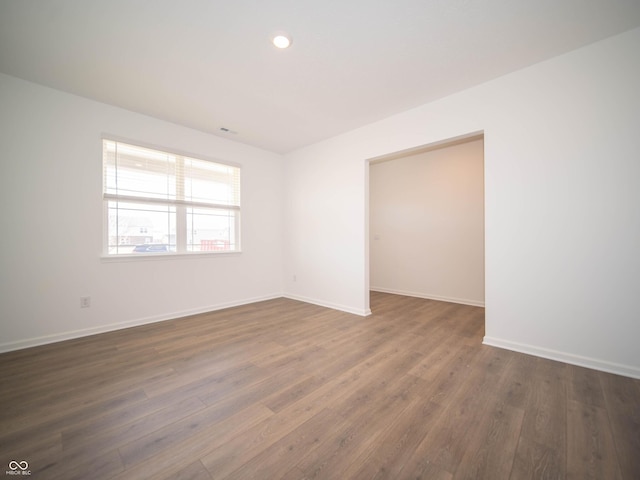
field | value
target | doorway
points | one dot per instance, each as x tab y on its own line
426	221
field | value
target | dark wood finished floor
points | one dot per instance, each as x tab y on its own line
286	390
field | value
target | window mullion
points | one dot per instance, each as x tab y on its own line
181	209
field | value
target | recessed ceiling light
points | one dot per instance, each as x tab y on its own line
281	40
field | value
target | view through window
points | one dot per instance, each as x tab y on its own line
161	202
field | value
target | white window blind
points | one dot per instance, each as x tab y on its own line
162	202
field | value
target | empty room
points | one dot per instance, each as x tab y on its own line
331	240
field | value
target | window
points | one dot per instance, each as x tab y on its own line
161	203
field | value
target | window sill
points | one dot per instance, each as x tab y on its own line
135	257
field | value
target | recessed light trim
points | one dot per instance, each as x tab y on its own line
281	40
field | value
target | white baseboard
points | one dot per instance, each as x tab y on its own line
59	337
333	306
588	362
463	301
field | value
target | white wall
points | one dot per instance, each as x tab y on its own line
562	189
427	224
50	192
326	232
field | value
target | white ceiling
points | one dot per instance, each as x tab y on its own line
208	64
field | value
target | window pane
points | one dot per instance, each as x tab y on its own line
139	172
211	230
141	228
208	182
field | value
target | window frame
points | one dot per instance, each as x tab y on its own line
181	206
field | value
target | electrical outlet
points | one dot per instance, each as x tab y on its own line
85	302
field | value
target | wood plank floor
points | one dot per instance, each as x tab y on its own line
287	390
